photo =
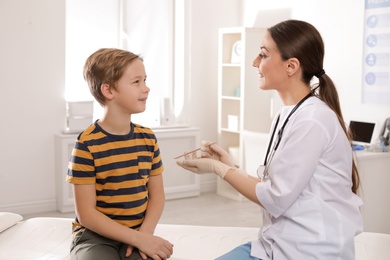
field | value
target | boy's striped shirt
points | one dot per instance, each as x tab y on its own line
120	167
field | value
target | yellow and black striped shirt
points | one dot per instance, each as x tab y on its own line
120	167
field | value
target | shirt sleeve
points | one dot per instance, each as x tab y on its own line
157	163
81	169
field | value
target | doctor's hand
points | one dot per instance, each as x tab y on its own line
214	151
205	165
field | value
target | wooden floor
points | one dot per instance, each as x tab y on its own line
208	209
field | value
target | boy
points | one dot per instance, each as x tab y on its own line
116	168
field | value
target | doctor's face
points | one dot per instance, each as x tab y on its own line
270	66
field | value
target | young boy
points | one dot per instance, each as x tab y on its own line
116	168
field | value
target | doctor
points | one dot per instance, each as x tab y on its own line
308	181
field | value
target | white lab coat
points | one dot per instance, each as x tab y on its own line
310	211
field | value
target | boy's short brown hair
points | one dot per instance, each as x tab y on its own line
106	66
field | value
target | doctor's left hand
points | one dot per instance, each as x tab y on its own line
205	165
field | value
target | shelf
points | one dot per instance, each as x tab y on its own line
239	95
230	131
231	98
238	65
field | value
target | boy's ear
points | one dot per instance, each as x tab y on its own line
293	66
106	91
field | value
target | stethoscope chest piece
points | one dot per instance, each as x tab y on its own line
262	173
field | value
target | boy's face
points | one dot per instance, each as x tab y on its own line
132	92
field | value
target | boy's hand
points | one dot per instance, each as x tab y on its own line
129	250
143	255
155	247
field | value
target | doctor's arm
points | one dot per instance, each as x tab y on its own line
244	184
237	178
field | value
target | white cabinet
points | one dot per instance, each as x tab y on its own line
242	106
178	183
374	171
64	144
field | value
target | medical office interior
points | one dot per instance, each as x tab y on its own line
45	100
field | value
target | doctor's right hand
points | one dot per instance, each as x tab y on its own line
215	152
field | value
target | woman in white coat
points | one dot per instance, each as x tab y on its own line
308	181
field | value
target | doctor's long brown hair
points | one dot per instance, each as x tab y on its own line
301	40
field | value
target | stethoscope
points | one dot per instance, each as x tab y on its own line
262	171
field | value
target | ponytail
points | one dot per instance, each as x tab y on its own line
327	92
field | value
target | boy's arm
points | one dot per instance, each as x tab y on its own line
156	202
89	217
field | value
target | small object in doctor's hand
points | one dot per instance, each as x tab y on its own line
190	152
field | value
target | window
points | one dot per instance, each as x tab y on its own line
153	29
86	32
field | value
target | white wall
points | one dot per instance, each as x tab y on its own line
32	110
201	105
32	65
